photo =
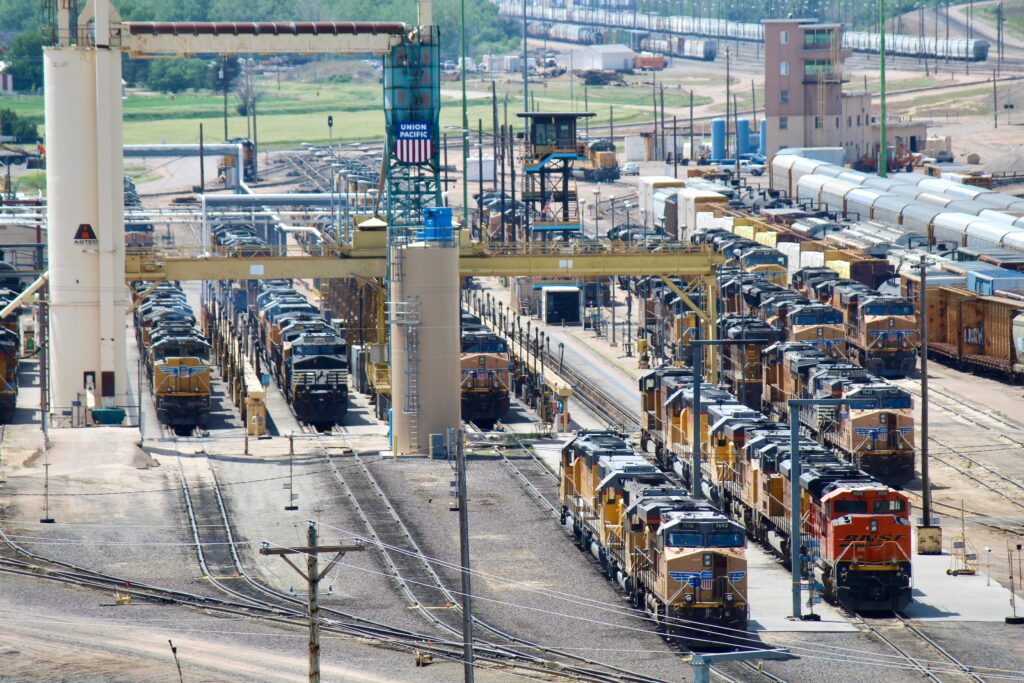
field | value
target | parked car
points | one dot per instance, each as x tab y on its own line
630	168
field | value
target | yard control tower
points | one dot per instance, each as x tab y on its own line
550	148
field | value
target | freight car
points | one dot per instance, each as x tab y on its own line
176	356
856	529
627	19
678	558
486	375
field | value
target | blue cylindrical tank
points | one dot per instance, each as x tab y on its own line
717	139
763	145
743	136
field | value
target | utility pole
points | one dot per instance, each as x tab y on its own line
202	162
883	146
662	96
654	101
929	536
467	588
224	85
675	147
693	156
312	575
995	103
465	115
728	99
526	68
47	519
753	105
291	506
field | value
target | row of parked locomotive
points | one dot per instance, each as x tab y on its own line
789	345
879	332
854	527
176	356
676	557
306	353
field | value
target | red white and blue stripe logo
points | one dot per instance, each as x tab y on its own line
413	144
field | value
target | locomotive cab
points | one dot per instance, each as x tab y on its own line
866	533
702	569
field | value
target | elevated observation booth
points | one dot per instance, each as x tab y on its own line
550	149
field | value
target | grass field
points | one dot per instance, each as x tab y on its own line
297	112
1013	16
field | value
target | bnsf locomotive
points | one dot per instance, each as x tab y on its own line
676	557
856	529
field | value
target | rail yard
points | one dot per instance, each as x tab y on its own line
694	354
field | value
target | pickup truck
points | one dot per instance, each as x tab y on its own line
747	167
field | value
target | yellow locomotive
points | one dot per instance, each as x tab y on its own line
677	558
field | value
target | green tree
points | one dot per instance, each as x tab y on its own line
26	61
17	126
176	75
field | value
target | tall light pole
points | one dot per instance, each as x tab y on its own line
883	146
465	124
597	211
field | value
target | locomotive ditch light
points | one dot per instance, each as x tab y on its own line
728	597
688	597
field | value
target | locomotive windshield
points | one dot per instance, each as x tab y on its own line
484	345
725	539
684	539
883	506
849	507
695	539
895	308
318	350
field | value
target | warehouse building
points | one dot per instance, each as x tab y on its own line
605	58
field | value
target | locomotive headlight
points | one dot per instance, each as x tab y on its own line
874	525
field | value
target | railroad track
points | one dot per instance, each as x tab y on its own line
908	642
1005	487
422	585
219	558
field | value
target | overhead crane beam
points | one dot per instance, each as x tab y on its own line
474	261
152	38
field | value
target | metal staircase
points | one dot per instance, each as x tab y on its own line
407	316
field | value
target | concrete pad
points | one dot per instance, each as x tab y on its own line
771	603
550	452
941	597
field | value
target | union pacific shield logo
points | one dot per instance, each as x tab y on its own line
413	143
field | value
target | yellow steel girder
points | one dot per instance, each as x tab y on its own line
536	259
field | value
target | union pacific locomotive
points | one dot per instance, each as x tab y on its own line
306	353
676	557
486	378
856	529
176	357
